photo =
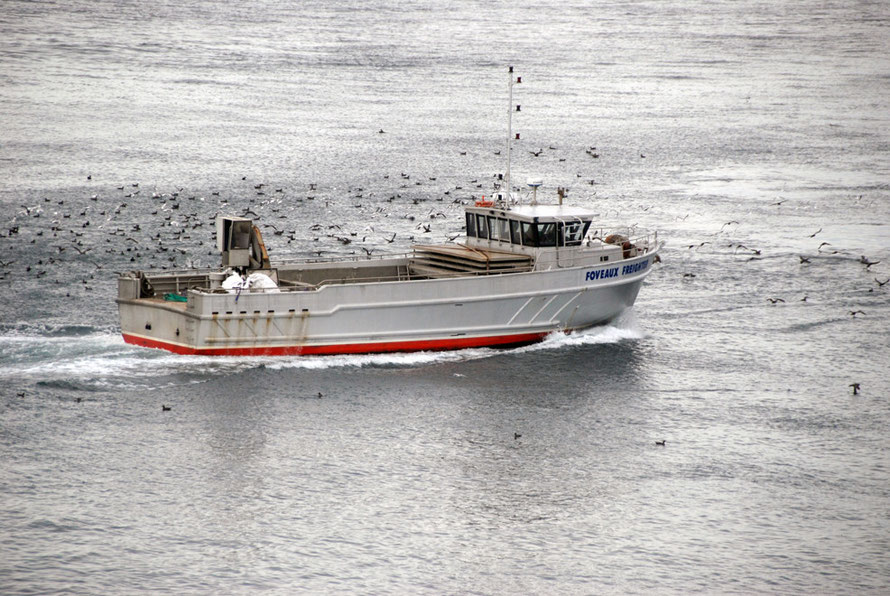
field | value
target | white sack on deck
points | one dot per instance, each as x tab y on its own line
261	281
234	281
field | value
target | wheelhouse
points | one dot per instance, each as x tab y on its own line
529	226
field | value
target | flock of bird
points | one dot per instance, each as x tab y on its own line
128	227
824	250
111	230
108	232
158	230
821	251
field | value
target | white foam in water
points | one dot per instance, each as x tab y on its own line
21	352
83	357
105	357
625	327
396	359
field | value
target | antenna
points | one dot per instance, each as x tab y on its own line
510	126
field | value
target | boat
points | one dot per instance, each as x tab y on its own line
524	270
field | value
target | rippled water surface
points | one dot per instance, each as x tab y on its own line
754	136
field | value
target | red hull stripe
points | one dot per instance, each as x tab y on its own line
452	343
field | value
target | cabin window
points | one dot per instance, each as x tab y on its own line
492	227
529	234
547	234
471	225
571	234
481	226
503	230
514	232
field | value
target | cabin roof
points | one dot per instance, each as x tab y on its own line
541	212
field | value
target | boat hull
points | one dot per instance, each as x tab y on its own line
333	349
396	316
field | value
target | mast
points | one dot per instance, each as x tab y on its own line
510	127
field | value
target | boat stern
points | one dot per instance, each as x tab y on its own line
151	320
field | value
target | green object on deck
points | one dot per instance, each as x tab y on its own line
175	298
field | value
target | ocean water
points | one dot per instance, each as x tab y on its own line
754	136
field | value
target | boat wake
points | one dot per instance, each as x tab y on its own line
97	360
625	327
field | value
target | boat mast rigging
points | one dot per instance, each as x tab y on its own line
510	129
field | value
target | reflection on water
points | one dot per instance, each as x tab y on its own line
529	470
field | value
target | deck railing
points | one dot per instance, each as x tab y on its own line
181	280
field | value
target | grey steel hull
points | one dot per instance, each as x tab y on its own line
387	316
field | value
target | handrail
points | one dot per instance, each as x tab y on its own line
642	239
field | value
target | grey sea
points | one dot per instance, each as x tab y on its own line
754	136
